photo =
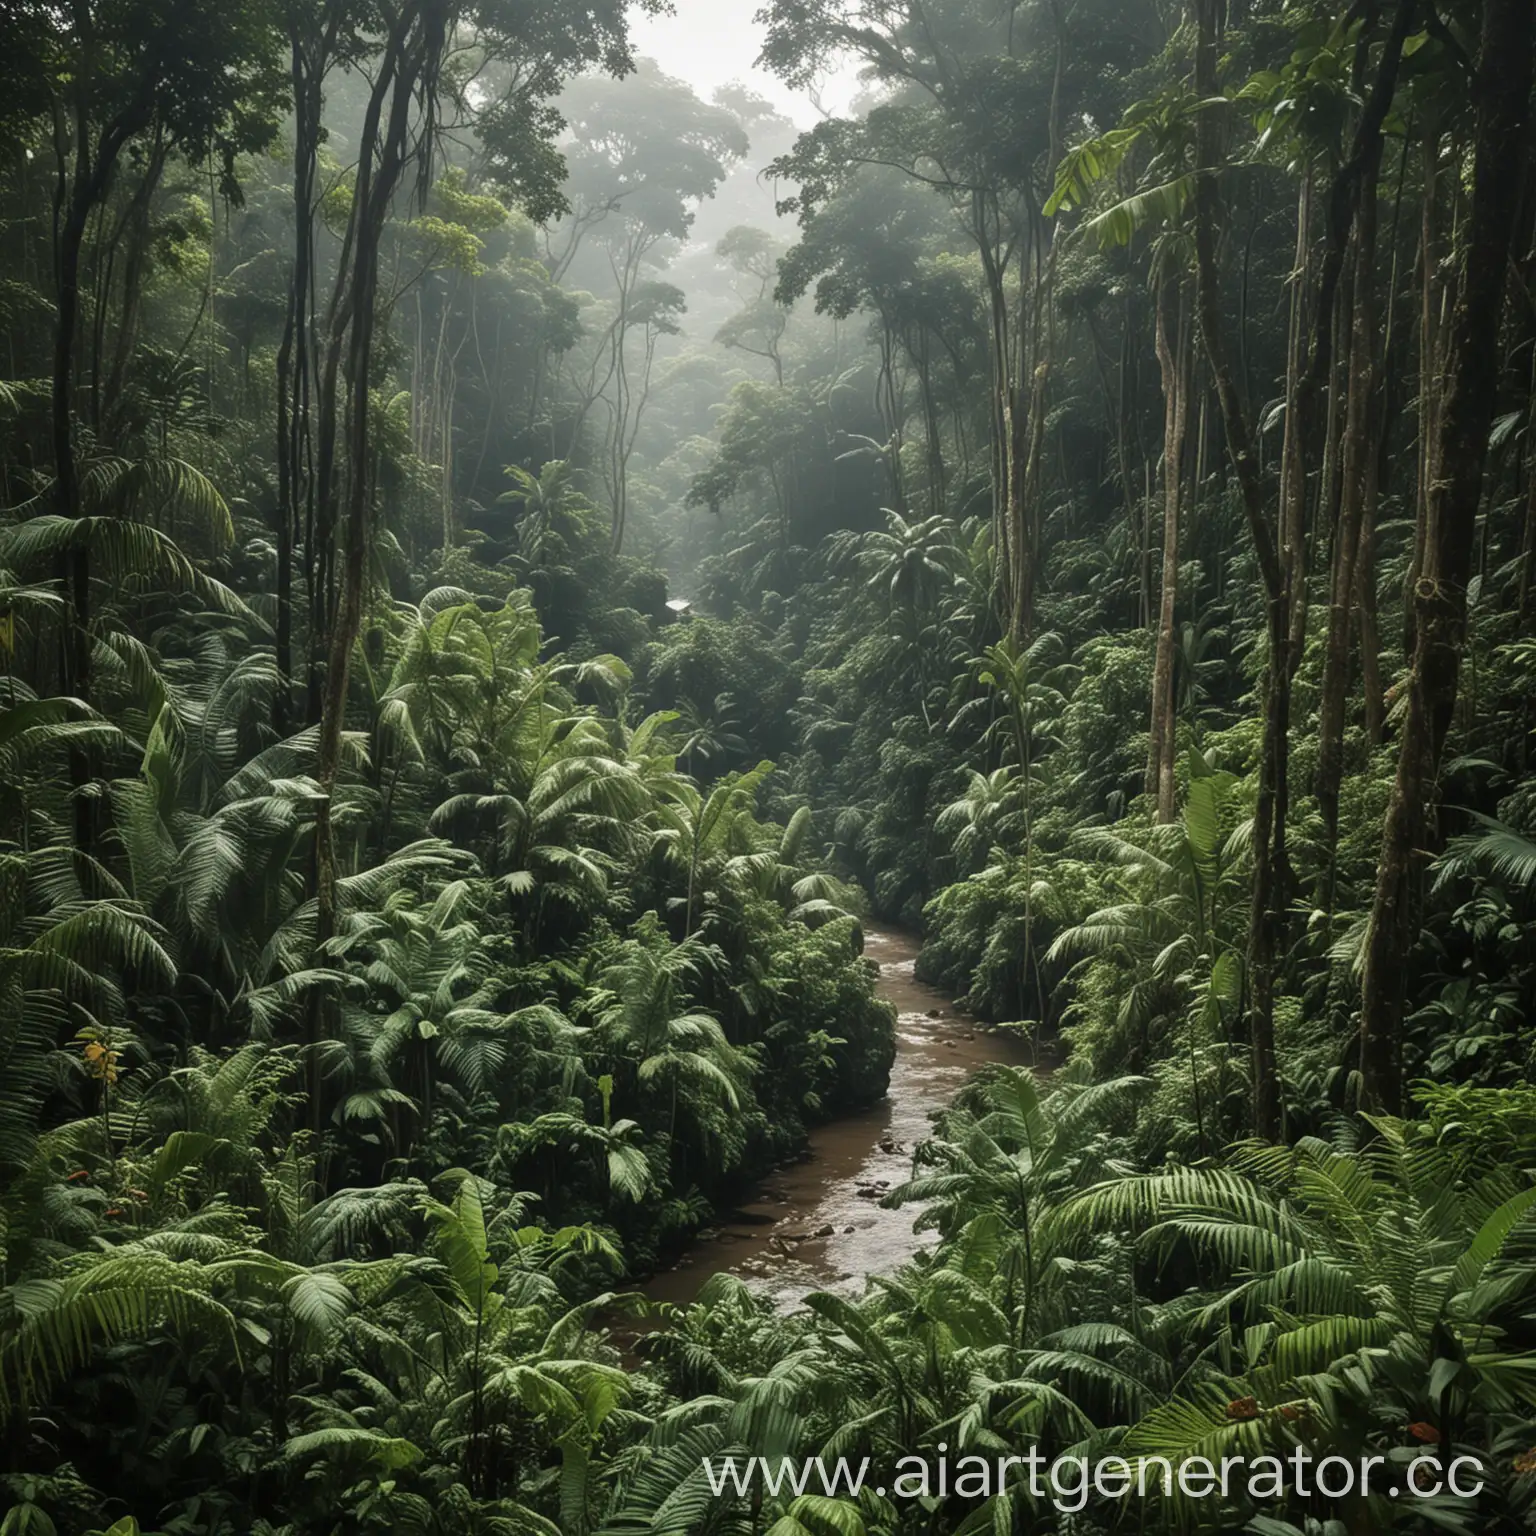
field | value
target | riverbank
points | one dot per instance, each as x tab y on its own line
818	1224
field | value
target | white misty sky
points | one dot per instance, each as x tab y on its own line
709	43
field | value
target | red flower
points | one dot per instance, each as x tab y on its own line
1241	1408
78	1175
114	1210
1425	1434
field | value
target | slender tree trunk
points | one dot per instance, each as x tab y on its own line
1439	597
1372	685
1267	910
1026	440
1354	201
1359	462
308	63
1527	600
76	657
136	236
1293	453
1385	409
1171	346
322	539
1429	366
934	435
1027	508
88	186
408	67
282	699
1116	408
1000	404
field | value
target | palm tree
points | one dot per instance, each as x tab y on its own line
1029	683
535	785
1370	1296
1493	850
104	1296
63	957
508	1340
747	1384
647	1026
550	512
998	1168
988	814
219	811
1177	938
429	989
129	556
33	729
776	870
700	834
479	1350
543	834
709	733
616	1143
1029	686
1195	664
911	560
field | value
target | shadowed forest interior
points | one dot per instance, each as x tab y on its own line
521	580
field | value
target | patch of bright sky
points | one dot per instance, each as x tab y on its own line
710	43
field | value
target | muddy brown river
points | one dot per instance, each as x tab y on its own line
771	1241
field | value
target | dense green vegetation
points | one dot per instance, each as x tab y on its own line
495	590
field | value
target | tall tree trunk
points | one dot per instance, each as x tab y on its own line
1116	410
1171	346
1267	911
309	61
1015	512
1439	597
1326	316
1429	365
282	698
1527	599
92	172
76	655
1000	409
1354	200
1385	408
1036	346
1035	336
1372	684
1027	528
1359	464
1294	487
933	434
134	234
407	70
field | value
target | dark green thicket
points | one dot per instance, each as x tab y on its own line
503	561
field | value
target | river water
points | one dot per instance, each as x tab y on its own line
818	1224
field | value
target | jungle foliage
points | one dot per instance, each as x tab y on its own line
505	562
